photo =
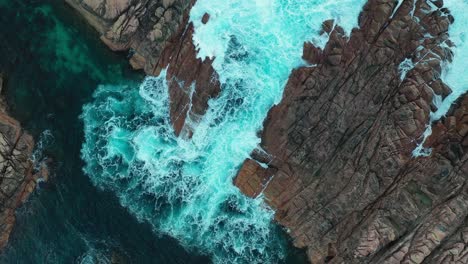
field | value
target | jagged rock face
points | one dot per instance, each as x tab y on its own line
341	173
192	82
17	180
159	36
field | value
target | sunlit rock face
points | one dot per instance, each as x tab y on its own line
143	27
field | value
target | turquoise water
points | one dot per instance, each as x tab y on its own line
454	72
183	186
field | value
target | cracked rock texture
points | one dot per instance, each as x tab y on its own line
340	168
340	174
17	178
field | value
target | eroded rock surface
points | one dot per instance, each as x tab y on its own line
17	177
341	174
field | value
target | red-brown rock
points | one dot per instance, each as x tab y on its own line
205	18
347	186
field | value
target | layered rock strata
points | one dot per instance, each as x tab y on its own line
17	176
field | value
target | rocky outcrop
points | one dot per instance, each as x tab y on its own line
17	177
159	36
341	174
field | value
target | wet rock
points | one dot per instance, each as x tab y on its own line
186	72
311	54
205	18
137	61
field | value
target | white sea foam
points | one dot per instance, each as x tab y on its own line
405	66
37	157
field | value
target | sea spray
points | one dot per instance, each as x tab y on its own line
38	157
183	186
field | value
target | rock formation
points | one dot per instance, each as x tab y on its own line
17	177
340	174
158	35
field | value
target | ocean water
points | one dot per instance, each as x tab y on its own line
454	72
183	186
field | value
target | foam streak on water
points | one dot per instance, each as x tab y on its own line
183	187
454	74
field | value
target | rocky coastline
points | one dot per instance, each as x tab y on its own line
18	177
341	174
157	35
